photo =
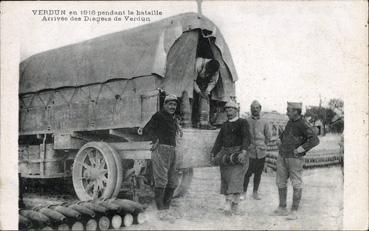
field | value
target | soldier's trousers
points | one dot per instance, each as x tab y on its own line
164	166
256	167
289	168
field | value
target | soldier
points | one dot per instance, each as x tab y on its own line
260	136
162	129
297	139
207	71
233	138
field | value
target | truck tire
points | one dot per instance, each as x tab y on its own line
119	165
94	171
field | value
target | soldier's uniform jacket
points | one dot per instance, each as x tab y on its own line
163	127
297	133
204	83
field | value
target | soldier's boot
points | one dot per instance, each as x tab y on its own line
159	198
245	185
255	194
282	207
168	195
297	193
162	211
228	208
236	210
243	196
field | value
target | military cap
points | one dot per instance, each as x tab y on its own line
294	105
231	104
170	97
255	103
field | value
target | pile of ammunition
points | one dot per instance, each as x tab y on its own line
83	215
313	160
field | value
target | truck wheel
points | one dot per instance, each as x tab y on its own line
119	165
94	171
185	179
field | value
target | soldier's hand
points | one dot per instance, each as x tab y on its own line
154	145
202	94
242	157
299	151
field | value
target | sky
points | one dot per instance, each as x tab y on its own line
282	50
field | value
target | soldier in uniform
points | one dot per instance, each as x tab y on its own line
260	136
162	130
233	140
207	76
296	140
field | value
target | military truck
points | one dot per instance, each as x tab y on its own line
80	106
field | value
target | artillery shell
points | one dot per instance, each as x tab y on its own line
83	210
35	216
109	205
91	224
24	221
123	205
63	227
77	226
116	221
95	207
134	204
47	228
140	218
128	220
53	214
67	211
104	223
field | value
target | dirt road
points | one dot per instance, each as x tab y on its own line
321	205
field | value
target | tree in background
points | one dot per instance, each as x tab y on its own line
337	123
331	115
336	103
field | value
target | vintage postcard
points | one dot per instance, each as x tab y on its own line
184	115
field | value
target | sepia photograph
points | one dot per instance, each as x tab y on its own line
172	115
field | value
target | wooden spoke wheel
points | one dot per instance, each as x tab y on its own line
95	171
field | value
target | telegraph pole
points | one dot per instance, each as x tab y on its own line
199	9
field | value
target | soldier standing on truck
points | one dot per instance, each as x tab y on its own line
260	137
229	152
162	130
207	71
296	140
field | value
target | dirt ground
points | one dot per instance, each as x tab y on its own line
321	204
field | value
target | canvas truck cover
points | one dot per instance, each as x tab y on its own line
137	52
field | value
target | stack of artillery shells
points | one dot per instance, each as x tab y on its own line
83	215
